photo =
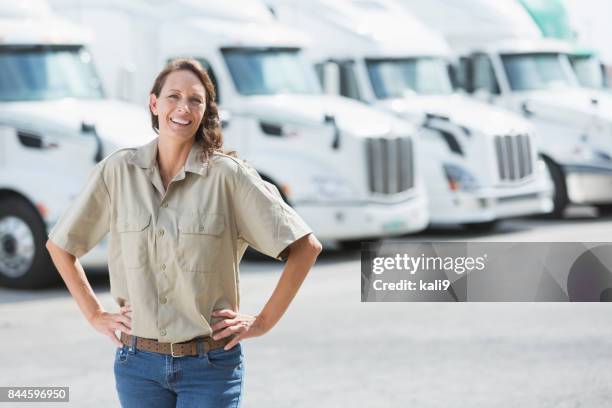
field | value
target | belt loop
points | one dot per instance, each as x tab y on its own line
200	348
132	348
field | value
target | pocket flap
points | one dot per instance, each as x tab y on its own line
211	224
134	222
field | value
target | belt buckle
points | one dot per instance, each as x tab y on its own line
172	351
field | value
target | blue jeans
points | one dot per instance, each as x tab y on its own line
149	379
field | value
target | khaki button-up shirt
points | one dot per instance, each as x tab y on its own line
173	255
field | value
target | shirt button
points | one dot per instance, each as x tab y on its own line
165	205
163	332
162	300
161	233
163	267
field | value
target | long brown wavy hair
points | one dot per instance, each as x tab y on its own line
208	134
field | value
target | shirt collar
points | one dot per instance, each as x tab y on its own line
194	162
145	157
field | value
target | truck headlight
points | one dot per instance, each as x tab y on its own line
459	178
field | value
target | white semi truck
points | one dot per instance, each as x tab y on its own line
55	125
553	20
480	162
506	62
350	171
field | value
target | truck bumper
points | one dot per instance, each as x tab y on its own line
365	220
587	184
491	204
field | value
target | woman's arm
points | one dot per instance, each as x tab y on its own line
302	255
74	277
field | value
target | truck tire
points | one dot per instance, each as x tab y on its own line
24	260
560	198
356	244
604	210
488	226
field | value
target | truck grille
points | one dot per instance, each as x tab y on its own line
513	154
390	164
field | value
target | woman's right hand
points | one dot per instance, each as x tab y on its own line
107	323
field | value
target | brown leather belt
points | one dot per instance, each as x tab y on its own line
189	348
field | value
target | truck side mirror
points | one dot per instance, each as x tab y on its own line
605	80
90	128
527	109
331	78
331	121
467	74
453	75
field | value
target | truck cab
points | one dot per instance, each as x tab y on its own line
506	62
552	19
349	170
55	125
535	78
480	162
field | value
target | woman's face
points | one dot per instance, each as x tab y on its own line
180	106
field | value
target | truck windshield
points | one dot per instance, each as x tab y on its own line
537	71
391	78
270	71
37	73
588	71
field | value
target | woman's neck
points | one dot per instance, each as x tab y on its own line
171	157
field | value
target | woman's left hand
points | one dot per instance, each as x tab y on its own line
244	325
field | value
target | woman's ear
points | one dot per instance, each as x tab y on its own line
153	103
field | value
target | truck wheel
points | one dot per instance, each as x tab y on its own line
355	244
560	199
488	226
24	260
350	245
605	210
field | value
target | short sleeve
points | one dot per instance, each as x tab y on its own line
263	219
87	220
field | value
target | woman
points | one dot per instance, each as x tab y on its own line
180	215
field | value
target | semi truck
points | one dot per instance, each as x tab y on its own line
553	21
480	162
55	124
349	170
506	62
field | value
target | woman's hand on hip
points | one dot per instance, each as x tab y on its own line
242	325
107	323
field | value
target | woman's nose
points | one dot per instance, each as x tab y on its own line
183	104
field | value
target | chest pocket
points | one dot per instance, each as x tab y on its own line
199	241
134	235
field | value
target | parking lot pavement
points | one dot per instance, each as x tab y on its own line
331	350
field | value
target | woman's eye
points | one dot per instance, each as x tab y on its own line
196	101
173	96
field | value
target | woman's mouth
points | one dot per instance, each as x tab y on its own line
180	122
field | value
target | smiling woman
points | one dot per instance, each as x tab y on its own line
181	214
182	105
